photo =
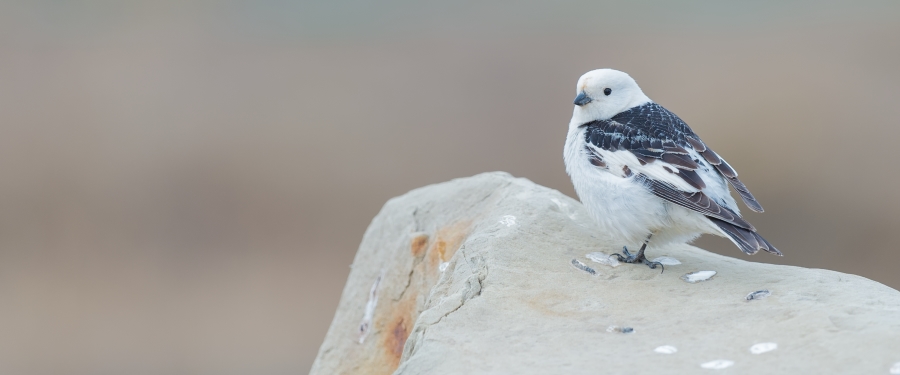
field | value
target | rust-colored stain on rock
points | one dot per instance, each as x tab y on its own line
552	304
398	338
394	327
447	240
397	328
418	245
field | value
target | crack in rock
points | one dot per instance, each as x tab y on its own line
440	305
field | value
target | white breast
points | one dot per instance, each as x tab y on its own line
621	207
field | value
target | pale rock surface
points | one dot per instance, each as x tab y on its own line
510	301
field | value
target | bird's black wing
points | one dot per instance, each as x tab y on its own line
651	132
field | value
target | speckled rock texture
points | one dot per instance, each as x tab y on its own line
476	276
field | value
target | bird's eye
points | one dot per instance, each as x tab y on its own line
607	91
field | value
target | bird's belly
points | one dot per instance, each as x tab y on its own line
621	207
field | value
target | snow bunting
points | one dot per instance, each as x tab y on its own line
643	174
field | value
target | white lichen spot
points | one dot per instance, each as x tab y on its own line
666	349
443	266
667	261
763	347
602	258
366	322
717	364
895	369
696	277
508	220
759	294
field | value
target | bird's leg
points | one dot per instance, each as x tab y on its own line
639	257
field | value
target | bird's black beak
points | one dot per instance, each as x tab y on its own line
582	99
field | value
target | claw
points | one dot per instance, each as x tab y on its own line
653	265
627	258
637	258
622	258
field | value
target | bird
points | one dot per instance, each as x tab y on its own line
643	174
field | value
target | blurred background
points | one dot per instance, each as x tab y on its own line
184	184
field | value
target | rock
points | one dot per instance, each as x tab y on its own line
489	274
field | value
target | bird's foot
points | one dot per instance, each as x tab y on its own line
628	257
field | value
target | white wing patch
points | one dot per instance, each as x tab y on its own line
624	164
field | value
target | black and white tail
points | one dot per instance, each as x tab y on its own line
749	241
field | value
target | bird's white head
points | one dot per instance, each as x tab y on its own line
603	93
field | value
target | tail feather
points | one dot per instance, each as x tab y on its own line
748	241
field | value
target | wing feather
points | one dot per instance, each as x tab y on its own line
695	201
691	177
696	144
730	175
679	160
711	157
